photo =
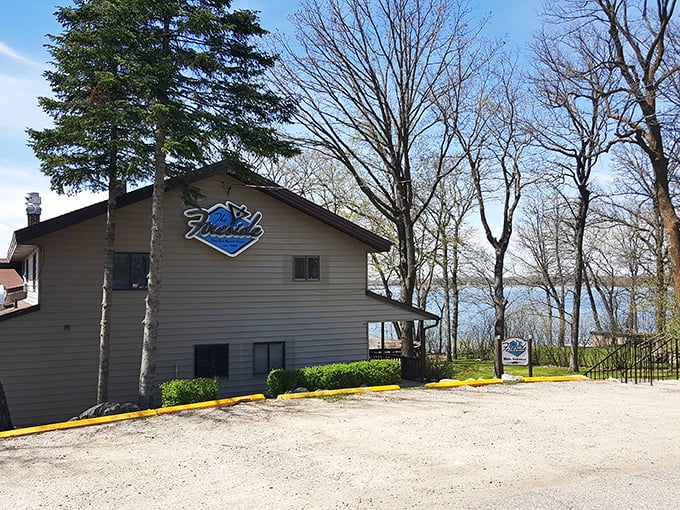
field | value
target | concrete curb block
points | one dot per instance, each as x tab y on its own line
101	420
485	382
346	391
457	384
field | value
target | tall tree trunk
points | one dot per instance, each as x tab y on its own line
584	202
632	319
447	292
499	305
407	279
455	289
107	285
455	317
661	288
593	304
671	222
5	419
550	318
147	372
562	331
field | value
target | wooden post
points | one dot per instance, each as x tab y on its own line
531	361
498	364
423	354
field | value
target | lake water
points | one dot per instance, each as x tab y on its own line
527	313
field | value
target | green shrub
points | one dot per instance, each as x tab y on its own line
279	381
436	368
188	391
561	356
335	376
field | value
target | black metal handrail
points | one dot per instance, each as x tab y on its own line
640	361
412	367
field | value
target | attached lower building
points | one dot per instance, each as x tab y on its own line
254	278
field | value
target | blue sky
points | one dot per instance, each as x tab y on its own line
23	58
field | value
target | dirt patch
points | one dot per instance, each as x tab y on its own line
547	445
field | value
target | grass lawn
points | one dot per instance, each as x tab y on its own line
472	369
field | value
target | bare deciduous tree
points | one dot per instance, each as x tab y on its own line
496	148
569	82
453	202
637	39
366	78
544	241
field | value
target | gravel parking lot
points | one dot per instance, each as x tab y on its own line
594	445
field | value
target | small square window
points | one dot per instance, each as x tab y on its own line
268	356
130	271
306	268
211	360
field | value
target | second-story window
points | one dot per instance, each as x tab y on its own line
306	268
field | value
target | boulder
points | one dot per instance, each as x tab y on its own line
507	378
106	409
298	390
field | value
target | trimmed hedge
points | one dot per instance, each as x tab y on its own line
335	376
187	391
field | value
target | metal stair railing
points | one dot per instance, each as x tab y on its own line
640	361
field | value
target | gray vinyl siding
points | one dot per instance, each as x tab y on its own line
48	358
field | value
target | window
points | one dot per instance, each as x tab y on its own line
306	268
268	356
130	271
211	360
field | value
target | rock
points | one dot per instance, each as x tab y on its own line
448	380
298	390
507	378
106	409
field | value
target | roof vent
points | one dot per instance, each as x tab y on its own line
33	209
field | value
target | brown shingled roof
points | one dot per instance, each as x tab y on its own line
10	278
266	186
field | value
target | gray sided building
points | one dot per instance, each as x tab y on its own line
255	278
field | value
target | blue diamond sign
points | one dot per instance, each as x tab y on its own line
515	352
228	228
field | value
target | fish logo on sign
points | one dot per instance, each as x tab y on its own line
228	228
516	347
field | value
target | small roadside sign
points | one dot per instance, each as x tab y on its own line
515	351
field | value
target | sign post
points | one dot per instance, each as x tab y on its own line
531	359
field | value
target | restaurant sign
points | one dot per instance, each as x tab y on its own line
228	228
515	351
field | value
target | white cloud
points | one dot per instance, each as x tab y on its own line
17	181
10	53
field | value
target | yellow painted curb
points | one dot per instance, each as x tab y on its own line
225	402
456	384
130	416
484	382
556	378
345	391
